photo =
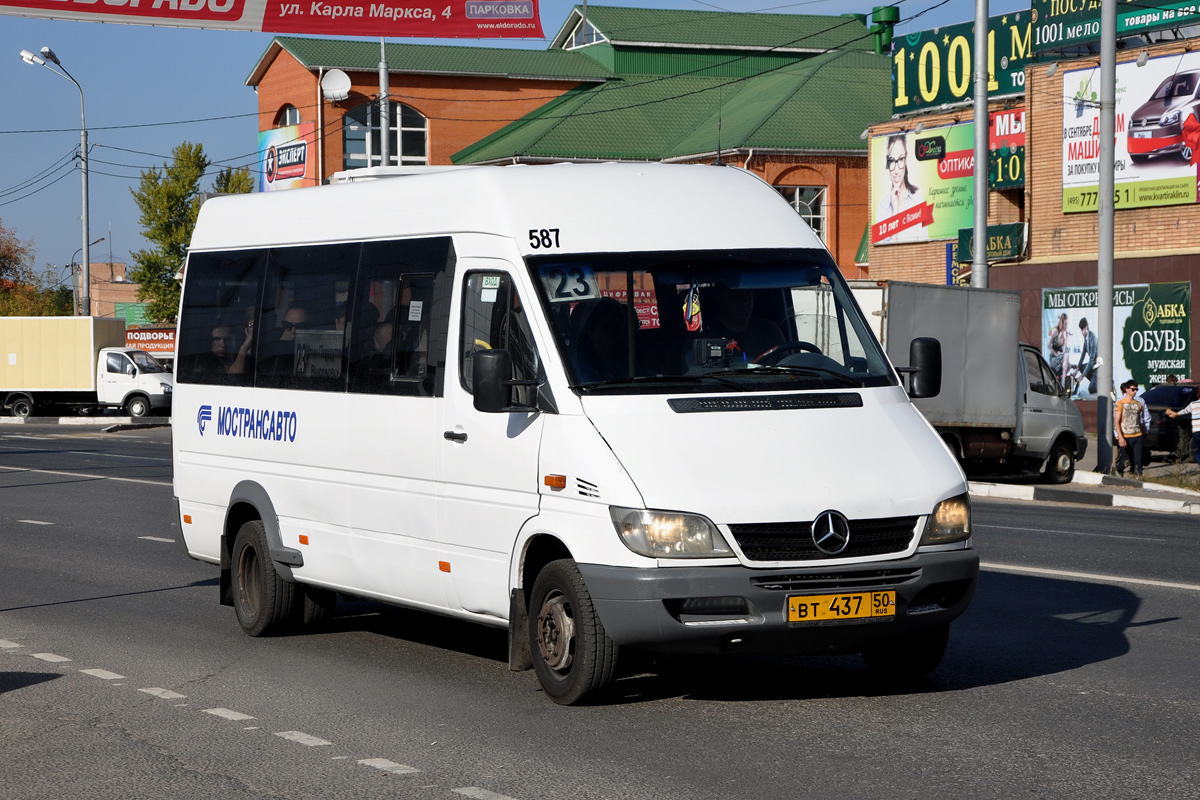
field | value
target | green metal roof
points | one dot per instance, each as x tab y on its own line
719	29
821	104
363	56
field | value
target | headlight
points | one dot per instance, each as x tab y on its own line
166	388
949	522
667	534
1170	118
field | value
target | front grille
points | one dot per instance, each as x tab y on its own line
837	581
792	541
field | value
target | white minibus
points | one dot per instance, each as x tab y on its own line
606	407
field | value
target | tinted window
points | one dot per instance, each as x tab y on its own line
299	344
220	301
399	317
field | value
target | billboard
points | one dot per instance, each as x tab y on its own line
287	157
924	185
1151	333
932	68
476	19
1059	24
1158	134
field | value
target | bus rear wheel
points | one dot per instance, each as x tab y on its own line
572	655
264	602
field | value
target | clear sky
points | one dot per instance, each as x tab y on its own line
148	89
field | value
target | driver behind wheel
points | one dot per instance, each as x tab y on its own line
749	336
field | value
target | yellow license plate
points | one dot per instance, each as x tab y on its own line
839	607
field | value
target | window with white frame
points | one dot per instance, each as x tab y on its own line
361	143
809	202
288	115
585	33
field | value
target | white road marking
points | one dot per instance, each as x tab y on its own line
225	713
390	766
1072	533
85	475
50	657
1089	576
103	674
5	644
157	539
163	694
481	794
303	738
34	522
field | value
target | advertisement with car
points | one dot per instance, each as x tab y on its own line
1158	134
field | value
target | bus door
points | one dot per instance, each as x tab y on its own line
488	469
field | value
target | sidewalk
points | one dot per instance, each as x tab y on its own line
1095	488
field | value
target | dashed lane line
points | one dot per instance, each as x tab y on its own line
5	644
303	738
157	539
225	713
476	793
103	674
35	522
51	657
163	694
388	766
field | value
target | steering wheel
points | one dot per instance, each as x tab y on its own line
776	353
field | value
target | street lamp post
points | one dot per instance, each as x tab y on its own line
71	266
85	301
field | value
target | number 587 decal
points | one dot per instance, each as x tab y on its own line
543	238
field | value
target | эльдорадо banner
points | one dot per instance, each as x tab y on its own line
493	19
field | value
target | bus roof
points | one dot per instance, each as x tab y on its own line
617	207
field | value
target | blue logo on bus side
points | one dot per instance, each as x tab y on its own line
202	416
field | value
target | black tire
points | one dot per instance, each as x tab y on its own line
265	603
1060	468
572	655
21	407
911	658
137	406
1138	158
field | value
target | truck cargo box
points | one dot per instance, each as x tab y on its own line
54	353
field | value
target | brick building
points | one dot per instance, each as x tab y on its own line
785	96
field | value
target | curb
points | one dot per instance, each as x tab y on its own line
1055	495
112	423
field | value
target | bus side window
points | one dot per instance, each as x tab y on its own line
217	323
493	317
299	343
399	317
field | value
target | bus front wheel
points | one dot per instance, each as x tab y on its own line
263	601
572	655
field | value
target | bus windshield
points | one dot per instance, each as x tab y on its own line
741	320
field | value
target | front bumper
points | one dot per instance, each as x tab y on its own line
1081	446
738	609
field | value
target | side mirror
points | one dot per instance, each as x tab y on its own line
925	366
490	372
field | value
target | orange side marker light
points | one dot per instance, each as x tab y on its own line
304	538
187	519
555	481
444	566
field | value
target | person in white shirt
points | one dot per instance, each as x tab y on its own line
1193	409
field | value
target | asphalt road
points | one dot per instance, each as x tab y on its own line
1072	675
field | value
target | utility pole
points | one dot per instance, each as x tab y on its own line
979	267
385	149
1105	228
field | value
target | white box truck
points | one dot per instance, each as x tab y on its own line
1000	410
79	363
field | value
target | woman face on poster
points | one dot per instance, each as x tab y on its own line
900	187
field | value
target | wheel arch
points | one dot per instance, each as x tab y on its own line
535	553
249	501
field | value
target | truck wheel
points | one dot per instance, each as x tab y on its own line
21	406
137	406
264	602
572	654
1061	466
910	658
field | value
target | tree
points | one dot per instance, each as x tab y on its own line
23	292
170	201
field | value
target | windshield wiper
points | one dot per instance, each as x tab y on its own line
659	379
815	372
